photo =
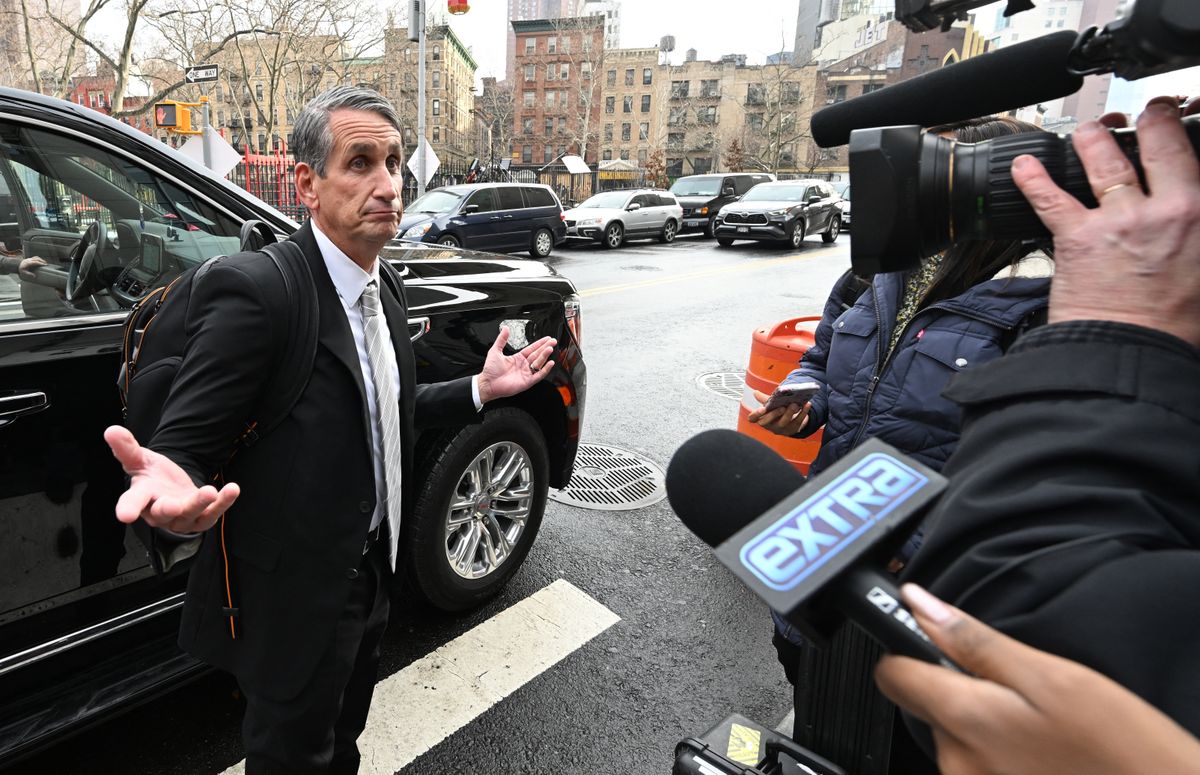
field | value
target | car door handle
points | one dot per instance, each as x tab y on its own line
21	404
508	217
494	218
418	327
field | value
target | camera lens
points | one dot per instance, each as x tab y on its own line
916	194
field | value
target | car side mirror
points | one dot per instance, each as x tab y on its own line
812	200
727	191
634	206
470	209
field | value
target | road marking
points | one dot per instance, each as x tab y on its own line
431	699
699	274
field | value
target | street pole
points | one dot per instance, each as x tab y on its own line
206	137
421	99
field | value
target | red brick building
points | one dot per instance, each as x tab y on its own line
556	89
96	92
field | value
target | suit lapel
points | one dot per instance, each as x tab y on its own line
333	332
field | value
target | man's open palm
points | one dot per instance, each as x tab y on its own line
160	492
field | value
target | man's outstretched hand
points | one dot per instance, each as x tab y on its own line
506	375
161	493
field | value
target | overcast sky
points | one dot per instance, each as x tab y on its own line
712	27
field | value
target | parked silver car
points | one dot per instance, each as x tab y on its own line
612	217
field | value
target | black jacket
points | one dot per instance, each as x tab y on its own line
296	533
1072	521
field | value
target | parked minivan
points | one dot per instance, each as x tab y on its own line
501	217
701	196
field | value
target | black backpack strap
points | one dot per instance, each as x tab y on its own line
256	235
293	368
390	276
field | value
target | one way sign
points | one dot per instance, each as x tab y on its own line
201	73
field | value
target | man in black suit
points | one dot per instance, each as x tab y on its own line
289	593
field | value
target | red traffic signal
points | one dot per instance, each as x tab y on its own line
166	115
457	6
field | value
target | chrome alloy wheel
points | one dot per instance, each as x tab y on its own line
543	243
488	510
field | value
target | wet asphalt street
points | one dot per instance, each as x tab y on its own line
691	645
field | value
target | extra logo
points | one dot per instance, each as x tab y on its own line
816	531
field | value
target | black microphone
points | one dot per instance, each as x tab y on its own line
812	550
1004	79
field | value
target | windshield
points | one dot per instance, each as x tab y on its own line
435	202
696	187
765	193
846	193
609	199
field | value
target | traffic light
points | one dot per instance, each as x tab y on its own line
173	116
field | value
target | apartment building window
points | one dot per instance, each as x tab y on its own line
607	154
437	134
679	89
675	168
625	130
629	76
258	91
644	131
527	154
528	98
627	105
645	103
220	118
870	87
437	107
710	88
527	126
835	93
547	154
702	165
754	121
530	46
790	92
587	45
675	139
551	72
562	125
564	71
756	94
220	93
549	126
262	142
258	68
437	53
647	76
552	45
564	45
610	104
706	115
530	72
585	69
612	78
677	117
642	155
550	100
437	79
608	133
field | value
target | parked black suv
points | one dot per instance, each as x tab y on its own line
701	196
505	217
786	211
86	627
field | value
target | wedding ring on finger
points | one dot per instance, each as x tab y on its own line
1113	188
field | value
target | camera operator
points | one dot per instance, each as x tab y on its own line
1072	520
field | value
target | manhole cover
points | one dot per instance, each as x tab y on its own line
728	384
611	479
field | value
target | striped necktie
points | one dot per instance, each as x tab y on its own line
387	407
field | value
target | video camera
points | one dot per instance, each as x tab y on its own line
917	194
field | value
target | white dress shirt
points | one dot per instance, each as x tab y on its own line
349	280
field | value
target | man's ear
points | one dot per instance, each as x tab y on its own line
305	189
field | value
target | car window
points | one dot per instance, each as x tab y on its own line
510	198
645	200
666	200
484	199
696	186
137	229
539	197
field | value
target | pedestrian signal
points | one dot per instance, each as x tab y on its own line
166	115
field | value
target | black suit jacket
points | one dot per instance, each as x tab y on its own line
288	548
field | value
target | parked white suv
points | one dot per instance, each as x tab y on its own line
612	217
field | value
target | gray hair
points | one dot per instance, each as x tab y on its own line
312	139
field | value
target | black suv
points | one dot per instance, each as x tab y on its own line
86	627
786	211
701	196
505	217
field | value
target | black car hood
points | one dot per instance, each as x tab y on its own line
695	201
435	262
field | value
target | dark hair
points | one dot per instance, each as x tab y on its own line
970	263
312	139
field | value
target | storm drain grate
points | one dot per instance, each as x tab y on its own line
727	384
611	479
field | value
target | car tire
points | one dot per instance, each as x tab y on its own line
710	228
795	235
542	244
433	544
724	241
449	240
614	236
831	234
669	230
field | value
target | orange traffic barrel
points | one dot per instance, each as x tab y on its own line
774	353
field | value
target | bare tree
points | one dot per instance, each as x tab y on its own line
498	108
778	103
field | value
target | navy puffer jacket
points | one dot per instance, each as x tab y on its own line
898	398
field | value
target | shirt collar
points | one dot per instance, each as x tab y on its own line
348	277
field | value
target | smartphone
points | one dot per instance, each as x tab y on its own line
797	393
